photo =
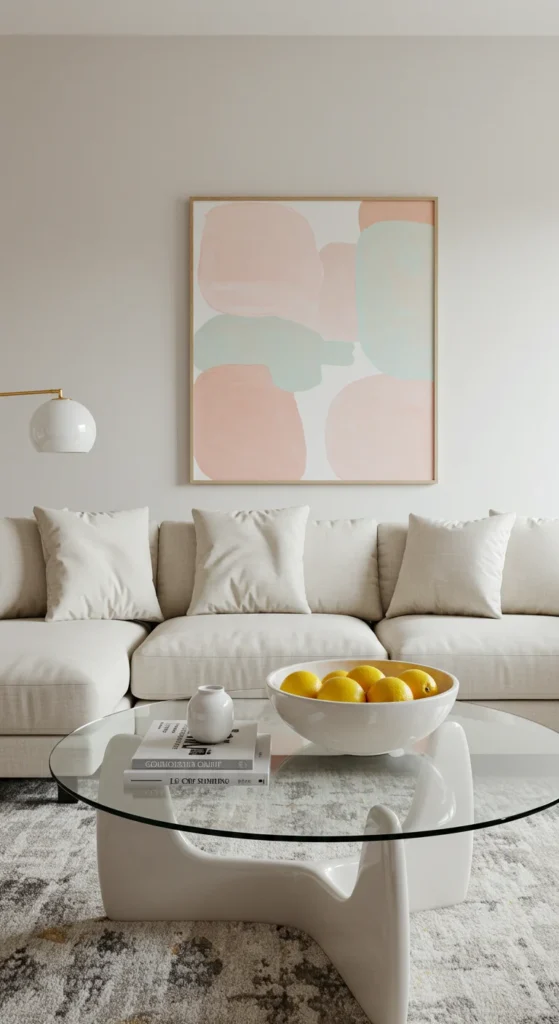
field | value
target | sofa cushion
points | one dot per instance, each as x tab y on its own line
341	569
55	676
23	588
27	757
515	656
341	572
238	651
392	539
531	572
544	712
176	567
23	585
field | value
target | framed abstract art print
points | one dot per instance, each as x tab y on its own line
313	340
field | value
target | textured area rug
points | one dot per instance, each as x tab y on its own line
492	960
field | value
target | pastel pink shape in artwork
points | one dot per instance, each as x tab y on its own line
245	428
381	428
422	211
260	259
337	308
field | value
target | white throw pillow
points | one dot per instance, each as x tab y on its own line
452	568
531	573
98	565
249	561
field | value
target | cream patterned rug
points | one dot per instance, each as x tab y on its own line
492	960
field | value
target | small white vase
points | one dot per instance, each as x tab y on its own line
210	714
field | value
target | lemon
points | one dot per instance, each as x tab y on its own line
420	683
342	688
366	675
338	672
302	684
389	689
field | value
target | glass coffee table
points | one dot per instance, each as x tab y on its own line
413	815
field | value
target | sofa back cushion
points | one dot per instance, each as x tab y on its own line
341	572
531	573
23	585
176	566
341	568
154	548
392	539
23	588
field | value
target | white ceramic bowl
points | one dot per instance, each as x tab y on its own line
362	728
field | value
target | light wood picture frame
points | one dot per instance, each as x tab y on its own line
313	340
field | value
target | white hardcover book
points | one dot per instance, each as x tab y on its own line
168	745
258	776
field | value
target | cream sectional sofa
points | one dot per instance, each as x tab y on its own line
55	676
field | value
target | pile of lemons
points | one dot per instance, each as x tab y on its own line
364	683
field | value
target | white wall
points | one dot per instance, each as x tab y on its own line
102	141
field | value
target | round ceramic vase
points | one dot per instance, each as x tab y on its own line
210	714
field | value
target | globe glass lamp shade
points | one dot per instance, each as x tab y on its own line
62	425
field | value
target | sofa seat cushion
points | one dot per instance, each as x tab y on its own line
516	656
238	651
55	676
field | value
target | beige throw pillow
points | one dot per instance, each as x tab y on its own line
531	572
249	561
98	565
452	568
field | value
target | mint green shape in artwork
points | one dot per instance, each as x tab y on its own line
293	353
395	297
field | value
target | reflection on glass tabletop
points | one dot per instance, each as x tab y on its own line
315	795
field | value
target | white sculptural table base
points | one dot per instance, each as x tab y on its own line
357	910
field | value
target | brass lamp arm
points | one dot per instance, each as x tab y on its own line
44	391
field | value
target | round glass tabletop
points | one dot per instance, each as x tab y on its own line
317	796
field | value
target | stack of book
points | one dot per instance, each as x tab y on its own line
169	756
